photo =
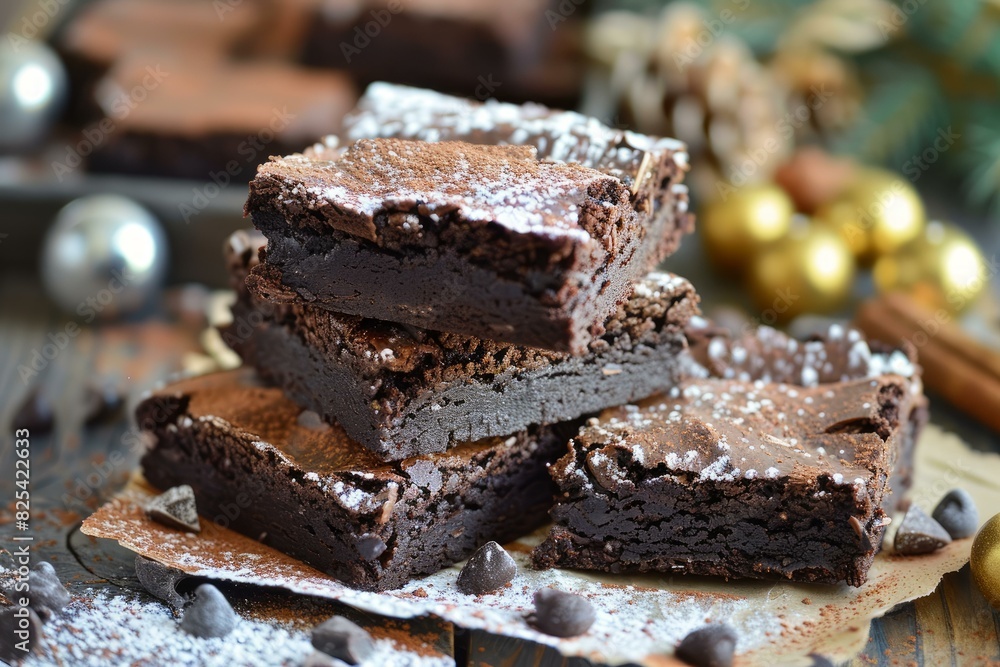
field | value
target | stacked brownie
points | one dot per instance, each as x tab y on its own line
429	320
441	298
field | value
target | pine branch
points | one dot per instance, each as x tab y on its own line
903	110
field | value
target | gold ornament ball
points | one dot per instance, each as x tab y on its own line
810	271
985	560
943	268
737	226
877	214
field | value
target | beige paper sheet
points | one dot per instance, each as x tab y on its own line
640	618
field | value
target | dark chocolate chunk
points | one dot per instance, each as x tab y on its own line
371	547
342	639
711	646
320	659
48	596
160	580
12	634
919	534
210	615
561	614
102	402
957	514
176	508
489	568
35	414
820	661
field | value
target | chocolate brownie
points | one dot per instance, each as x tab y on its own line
842	354
744	477
402	391
319	496
506	265
486	48
214	120
102	33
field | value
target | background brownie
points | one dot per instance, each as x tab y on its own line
218	118
322	498
401	391
484	47
740	477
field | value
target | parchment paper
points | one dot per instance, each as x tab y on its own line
640	618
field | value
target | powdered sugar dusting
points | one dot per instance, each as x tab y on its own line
502	184
388	110
97	630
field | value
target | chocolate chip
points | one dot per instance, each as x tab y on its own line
340	638
102	402
160	580
370	546
820	661
711	646
919	534
35	414
176	508
561	614
11	619
320	659
210	615
957	514
489	568
48	596
312	421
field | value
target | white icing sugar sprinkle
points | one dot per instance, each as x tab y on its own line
98	630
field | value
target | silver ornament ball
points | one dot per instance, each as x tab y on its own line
104	256
33	87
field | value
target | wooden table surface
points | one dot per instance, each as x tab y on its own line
953	626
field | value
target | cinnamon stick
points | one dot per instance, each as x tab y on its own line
960	369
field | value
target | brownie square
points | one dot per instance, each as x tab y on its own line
321	497
487	48
213	121
744	477
402	391
547	276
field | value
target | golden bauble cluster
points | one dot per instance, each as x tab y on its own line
942	268
810	270
741	223
858	217
985	560
877	214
